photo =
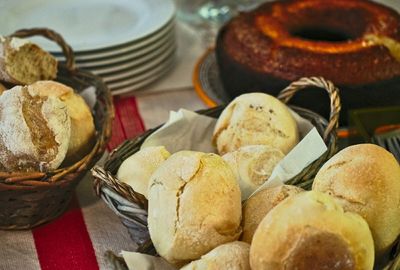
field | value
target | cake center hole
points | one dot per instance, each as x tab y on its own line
321	34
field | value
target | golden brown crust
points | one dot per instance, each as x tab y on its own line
364	179
258	205
264	41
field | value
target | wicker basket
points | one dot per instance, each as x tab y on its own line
131	207
30	199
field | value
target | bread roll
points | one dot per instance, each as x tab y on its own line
230	256
258	205
365	179
194	206
253	165
137	169
310	231
23	62
82	125
34	131
255	118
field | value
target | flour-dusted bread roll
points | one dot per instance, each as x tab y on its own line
23	62
253	165
137	169
310	231
258	205
255	118
230	256
365	179
34	131
194	206
82	124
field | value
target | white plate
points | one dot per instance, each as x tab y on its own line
153	72
144	82
133	64
130	56
90	24
122	74
99	55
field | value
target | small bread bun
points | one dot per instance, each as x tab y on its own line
34	131
255	118
194	206
82	124
311	231
23	62
253	165
258	205
231	256
137	169
365	179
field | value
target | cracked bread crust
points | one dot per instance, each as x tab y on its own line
194	206
365	179
34	131
255	118
312	223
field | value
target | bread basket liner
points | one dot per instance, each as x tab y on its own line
131	207
30	199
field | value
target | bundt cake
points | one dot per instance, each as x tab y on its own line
353	43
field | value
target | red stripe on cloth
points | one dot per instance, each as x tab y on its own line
65	243
128	123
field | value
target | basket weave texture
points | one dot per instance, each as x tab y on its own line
131	207
30	199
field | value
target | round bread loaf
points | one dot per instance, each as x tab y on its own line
34	131
253	165
255	118
194	206
137	169
365	179
231	256
310	231
82	124
23	62
258	205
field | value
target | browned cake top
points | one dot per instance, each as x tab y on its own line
347	41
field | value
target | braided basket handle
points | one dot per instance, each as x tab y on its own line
286	94
53	36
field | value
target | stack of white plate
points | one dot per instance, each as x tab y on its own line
129	43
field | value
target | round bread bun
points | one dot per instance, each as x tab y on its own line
253	165
310	231
82	124
34	131
231	256
194	206
137	169
365	179
258	205
255	118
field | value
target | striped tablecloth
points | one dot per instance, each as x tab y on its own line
80	237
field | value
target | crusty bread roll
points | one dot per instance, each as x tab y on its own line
23	62
255	118
258	205
34	131
310	231
194	206
253	165
365	179
137	169
82	125
230	256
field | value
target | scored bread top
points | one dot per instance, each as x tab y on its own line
34	131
